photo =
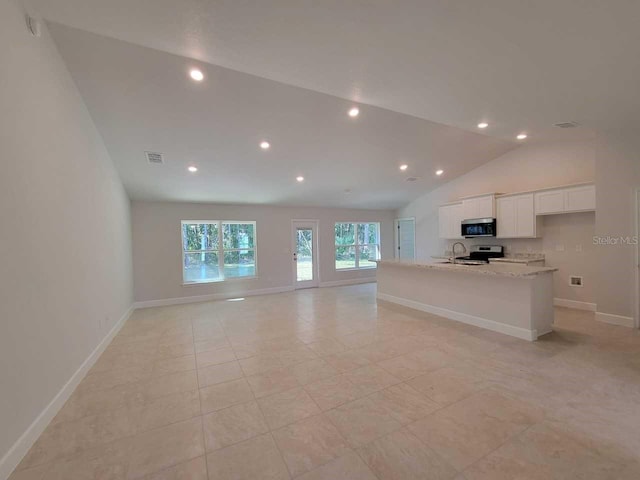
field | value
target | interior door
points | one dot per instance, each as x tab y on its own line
405	238
305	253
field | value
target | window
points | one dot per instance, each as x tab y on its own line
357	245
214	251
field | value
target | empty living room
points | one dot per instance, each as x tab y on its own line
319	240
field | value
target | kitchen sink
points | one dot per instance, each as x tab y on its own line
466	262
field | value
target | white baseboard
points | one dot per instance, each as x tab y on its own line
517	332
565	302
351	281
208	298
19	449
615	319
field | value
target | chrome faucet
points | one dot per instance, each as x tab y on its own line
453	251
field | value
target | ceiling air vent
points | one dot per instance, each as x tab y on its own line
566	124
412	179
154	158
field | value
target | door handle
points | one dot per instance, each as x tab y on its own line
295	257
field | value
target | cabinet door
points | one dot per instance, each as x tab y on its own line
456	217
525	216
551	201
443	222
470	209
449	221
486	208
506	217
579	199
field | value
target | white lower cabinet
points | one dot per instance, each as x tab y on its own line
516	216
450	221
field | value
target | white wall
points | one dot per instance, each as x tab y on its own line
65	240
527	168
568	245
157	254
617	177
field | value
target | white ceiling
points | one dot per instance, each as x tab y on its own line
521	66
143	99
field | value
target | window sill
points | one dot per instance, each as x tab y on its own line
226	280
354	269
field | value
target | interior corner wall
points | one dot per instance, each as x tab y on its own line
157	250
65	242
617	178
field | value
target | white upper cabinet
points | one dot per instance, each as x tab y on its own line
479	207
515	216
443	222
566	200
450	220
549	202
506	217
580	199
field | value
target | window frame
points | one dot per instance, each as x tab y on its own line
356	246
220	251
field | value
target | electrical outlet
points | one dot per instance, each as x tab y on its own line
579	247
575	281
559	248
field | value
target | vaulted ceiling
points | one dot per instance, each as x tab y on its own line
424	73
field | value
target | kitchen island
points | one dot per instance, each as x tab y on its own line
513	299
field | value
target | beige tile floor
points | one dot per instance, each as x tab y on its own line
327	384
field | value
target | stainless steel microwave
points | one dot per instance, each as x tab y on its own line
479	227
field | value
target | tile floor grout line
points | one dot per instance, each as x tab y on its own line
281	454
512	438
488	453
204	442
269	430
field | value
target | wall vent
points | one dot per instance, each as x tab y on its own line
154	158
566	124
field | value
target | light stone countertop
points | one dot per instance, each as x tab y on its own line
514	258
503	270
519	259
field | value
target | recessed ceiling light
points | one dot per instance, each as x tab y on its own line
483	125
354	112
300	178
522	136
197	75
265	145
404	166
439	172
192	168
